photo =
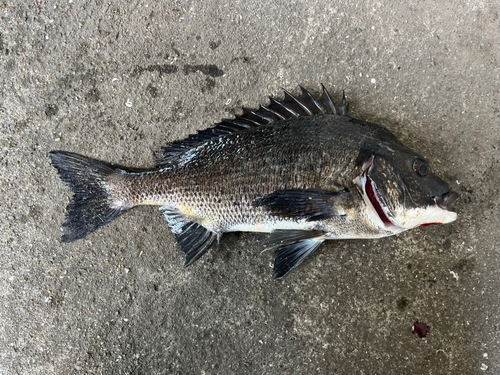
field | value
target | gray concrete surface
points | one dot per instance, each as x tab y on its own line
115	80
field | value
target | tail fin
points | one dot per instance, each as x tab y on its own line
90	207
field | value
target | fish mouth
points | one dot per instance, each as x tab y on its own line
446	199
442	201
374	197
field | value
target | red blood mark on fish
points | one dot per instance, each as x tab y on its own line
371	195
428	224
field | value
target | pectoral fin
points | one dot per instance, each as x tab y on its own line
295	246
309	204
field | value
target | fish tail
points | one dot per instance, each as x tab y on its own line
92	205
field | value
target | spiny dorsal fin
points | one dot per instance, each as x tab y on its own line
291	107
297	104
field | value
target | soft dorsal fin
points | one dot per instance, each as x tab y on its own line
291	107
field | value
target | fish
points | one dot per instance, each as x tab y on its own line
301	169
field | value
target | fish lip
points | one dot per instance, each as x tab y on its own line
377	200
446	199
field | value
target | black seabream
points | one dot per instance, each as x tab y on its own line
301	169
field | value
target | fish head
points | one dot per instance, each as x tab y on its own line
401	188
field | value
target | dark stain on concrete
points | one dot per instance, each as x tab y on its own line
402	303
209	85
213	45
93	95
207	69
161	69
51	110
464	265
243	59
153	91
210	70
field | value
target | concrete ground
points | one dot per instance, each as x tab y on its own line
115	80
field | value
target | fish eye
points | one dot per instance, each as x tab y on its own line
421	168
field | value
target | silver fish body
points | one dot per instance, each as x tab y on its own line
300	169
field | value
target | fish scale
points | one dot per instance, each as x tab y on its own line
229	175
301	169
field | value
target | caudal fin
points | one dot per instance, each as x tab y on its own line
91	206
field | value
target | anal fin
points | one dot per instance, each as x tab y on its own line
193	238
295	247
